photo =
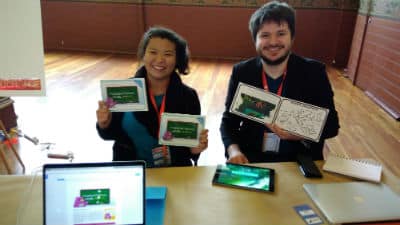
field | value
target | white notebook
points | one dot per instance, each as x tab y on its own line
354	168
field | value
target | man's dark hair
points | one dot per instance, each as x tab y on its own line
274	12
181	48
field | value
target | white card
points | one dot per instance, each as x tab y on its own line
255	103
180	129
125	95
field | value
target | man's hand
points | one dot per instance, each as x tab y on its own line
283	134
235	155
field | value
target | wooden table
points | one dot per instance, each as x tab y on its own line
191	198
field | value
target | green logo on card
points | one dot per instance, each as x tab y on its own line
255	107
123	95
96	196
181	129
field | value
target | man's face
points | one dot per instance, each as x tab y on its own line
273	42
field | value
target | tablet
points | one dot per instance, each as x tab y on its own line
245	176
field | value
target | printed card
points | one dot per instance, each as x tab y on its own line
125	95
181	129
308	215
255	104
301	119
296	117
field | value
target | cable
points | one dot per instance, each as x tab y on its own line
26	196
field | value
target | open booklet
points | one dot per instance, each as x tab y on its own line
296	117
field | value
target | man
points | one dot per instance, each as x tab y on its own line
276	69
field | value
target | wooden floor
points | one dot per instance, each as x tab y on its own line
66	116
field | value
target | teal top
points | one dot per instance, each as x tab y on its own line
140	137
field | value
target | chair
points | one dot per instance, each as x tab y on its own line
3	147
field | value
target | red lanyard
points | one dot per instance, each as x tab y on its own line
159	112
265	83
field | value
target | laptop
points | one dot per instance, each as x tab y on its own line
94	193
352	202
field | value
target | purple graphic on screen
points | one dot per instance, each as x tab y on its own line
80	202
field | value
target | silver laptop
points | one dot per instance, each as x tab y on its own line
351	202
94	193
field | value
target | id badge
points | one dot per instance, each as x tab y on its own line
271	142
161	156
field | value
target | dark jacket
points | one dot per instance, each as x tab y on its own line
306	80
179	99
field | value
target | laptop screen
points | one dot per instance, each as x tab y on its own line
94	193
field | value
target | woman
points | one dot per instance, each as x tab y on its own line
164	55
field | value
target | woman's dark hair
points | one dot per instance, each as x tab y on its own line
272	11
182	51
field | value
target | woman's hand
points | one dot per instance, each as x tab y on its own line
103	115
203	143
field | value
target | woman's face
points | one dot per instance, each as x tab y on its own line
159	58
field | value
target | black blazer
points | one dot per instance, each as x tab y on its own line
180	98
306	80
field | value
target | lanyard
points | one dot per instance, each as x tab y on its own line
265	83
158	111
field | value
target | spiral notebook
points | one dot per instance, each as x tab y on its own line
360	169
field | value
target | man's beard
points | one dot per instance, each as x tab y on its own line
276	61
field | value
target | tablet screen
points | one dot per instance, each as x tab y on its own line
244	176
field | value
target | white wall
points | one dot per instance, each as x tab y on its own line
21	48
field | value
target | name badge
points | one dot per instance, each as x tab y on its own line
271	142
161	156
